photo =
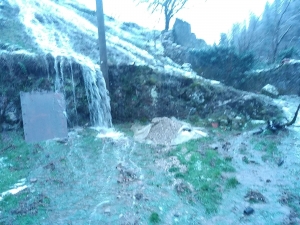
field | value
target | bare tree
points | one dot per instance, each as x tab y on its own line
168	7
273	34
280	30
243	35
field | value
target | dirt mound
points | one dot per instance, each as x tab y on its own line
166	131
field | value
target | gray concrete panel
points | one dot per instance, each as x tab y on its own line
44	116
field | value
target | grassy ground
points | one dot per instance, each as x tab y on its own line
204	168
17	161
13	32
90	180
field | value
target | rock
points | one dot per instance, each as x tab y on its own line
138	196
107	210
248	211
245	159
270	90
186	66
181	97
214	146
33	180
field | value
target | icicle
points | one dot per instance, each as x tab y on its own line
47	67
62	78
57	85
73	90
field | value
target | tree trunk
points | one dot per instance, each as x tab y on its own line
167	22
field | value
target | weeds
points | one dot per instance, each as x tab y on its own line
154	218
232	183
203	173
269	149
17	161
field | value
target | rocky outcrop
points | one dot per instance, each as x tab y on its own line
140	93
137	92
179	41
183	35
28	72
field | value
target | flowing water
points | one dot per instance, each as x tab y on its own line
57	29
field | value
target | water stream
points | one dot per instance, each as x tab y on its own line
56	29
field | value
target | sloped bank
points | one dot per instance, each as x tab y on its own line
137	93
140	93
29	72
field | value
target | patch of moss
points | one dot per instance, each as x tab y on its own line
173	169
203	173
16	153
23	208
13	31
232	183
154	218
18	159
268	147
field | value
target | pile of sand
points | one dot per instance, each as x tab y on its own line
166	131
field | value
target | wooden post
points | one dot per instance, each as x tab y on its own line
102	42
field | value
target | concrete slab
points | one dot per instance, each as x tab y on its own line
44	116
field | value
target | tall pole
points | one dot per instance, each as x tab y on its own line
102	42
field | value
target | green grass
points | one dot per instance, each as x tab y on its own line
19	157
14	32
154	218
23	208
16	154
269	149
203	173
232	183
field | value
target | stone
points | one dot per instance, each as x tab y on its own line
186	66
248	211
107	210
214	146
33	180
138	196
270	90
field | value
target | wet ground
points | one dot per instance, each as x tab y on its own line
90	180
